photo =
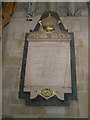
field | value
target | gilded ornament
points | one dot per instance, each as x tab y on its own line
40	22
59	21
37	36
49	28
48	19
60	36
47	92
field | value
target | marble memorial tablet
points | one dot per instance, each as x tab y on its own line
48	69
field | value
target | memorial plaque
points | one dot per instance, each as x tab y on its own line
48	74
48	66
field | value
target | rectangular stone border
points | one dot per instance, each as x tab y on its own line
54	101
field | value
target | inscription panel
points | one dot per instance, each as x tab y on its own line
48	65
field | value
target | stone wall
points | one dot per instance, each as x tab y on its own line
63	8
13	42
12	106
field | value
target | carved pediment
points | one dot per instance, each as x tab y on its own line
49	26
